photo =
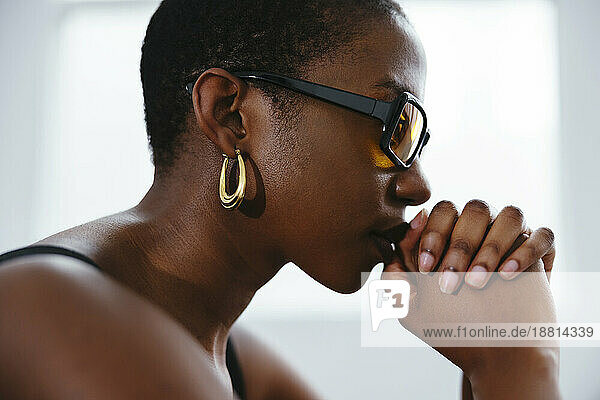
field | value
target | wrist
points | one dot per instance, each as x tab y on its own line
517	373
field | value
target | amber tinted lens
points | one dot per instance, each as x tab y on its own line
405	138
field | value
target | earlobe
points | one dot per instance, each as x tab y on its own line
217	96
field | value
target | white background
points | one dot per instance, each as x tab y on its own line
512	96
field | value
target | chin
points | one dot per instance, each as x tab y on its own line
349	280
342	274
350	286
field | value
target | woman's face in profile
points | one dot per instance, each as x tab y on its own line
332	182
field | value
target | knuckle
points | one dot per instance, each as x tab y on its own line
492	248
431	240
445	206
478	207
536	266
461	245
547	235
514	214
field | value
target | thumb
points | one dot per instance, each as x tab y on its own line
396	271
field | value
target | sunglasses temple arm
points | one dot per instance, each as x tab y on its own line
353	101
375	108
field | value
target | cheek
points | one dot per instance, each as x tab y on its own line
337	195
325	200
327	183
377	157
367	153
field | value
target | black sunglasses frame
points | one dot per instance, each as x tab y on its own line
387	112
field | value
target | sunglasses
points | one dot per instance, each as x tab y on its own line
404	133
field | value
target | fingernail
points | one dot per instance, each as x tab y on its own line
448	281
417	221
425	262
509	270
476	276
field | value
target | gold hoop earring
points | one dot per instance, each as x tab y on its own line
232	201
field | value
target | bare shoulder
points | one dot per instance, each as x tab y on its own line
266	375
69	331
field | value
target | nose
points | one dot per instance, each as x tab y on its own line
411	186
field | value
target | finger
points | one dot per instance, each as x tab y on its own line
548	258
548	261
399	270
407	247
396	271
505	229
467	235
540	245
435	235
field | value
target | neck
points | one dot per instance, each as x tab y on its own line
200	262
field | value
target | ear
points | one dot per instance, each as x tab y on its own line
217	96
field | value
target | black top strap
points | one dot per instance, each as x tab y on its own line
235	372
47	249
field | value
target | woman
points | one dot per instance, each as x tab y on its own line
321	178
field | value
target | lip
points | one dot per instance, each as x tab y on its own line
385	248
387	238
395	233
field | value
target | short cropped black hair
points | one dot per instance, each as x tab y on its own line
186	37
